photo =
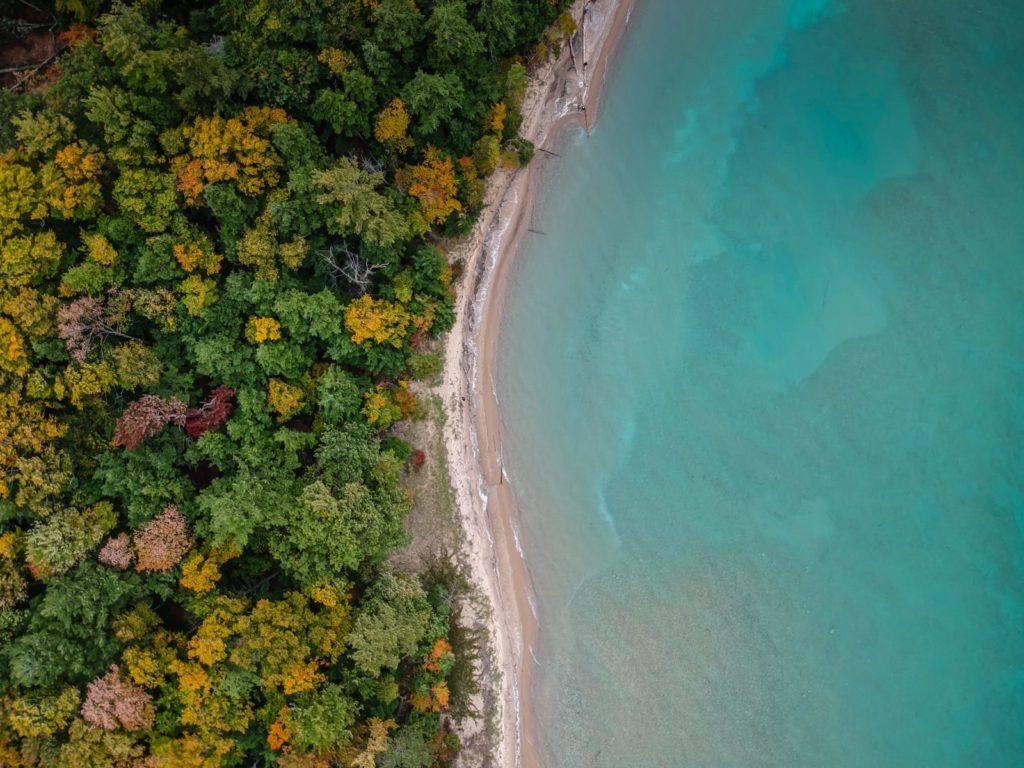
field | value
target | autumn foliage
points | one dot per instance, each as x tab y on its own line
433	183
162	542
111	702
146	417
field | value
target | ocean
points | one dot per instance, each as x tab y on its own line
761	375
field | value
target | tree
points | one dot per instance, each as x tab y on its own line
212	414
433	183
28	436
85	324
390	623
232	150
68	637
111	702
392	127
433	101
327	535
356	206
454	38
54	545
322	719
117	552
162	542
146	417
377	321
499	22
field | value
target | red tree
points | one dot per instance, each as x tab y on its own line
146	417
211	414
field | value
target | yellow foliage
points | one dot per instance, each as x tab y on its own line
420	701
99	249
384	405
424	321
393	125
294	252
70	184
299	678
231	150
257	247
434	701
376	742
190	751
200	573
336	59
433	184
20	195
207	649
439	693
565	24
40	715
495	122
13	357
7	542
324	594
25	429
283	399
30	259
197	294
261	329
192	256
377	320
88	380
142	666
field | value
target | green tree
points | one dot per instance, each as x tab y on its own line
390	623
356	207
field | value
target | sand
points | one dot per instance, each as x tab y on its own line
486	503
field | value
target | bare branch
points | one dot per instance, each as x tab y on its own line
343	263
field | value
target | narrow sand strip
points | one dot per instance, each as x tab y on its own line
486	503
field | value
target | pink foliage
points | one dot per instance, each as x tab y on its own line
162	542
146	417
211	414
117	552
112	702
419	458
81	324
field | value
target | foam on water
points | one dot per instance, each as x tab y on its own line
762	385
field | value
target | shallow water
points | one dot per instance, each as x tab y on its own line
762	382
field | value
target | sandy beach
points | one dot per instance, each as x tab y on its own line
563	92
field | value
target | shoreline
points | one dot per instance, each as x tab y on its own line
487	508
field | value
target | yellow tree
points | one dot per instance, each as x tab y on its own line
27	435
377	320
392	128
229	149
71	184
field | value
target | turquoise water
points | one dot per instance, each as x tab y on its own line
762	383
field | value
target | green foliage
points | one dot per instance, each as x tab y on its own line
392	622
355	206
59	541
216	236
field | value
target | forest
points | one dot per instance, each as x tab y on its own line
221	229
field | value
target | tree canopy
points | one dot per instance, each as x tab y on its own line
218	265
